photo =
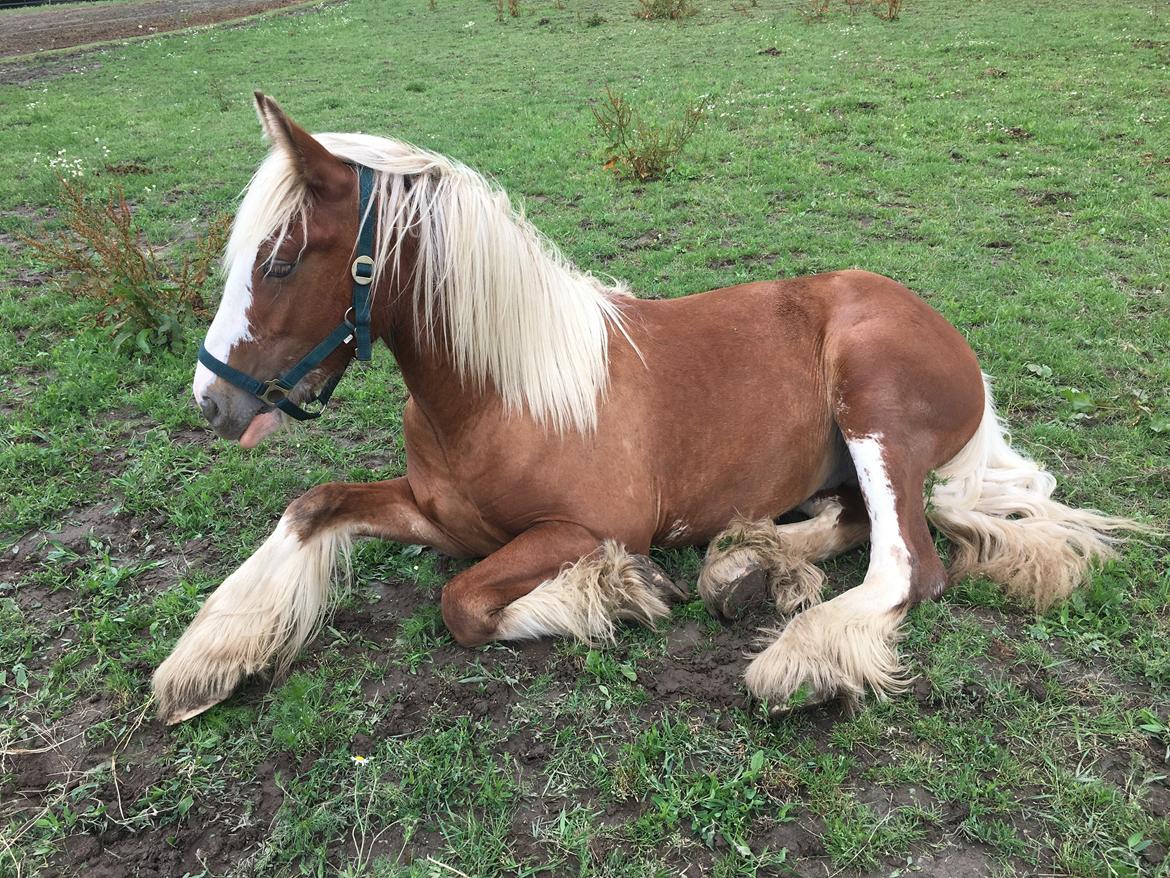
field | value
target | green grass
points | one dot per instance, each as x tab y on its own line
1010	163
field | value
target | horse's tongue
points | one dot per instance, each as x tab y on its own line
261	426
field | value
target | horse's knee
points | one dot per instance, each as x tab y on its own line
312	511
470	623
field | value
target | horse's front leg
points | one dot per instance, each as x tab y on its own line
268	608
555	578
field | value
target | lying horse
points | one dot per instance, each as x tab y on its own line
557	428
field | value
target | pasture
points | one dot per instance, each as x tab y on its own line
1009	162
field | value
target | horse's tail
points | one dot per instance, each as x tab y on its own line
996	507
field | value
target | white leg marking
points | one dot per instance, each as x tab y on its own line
889	560
261	615
230	325
842	646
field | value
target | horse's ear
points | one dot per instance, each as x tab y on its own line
322	171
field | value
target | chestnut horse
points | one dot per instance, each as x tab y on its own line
557	428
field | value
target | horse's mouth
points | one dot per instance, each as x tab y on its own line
265	422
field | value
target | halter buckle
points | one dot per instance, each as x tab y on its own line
359	275
275	386
313	407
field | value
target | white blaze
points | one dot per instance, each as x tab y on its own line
230	326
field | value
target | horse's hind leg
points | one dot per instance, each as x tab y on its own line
905	404
751	558
844	645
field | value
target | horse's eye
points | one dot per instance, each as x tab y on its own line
279	268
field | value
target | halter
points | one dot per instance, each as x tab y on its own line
275	391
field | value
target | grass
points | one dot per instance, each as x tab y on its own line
1010	164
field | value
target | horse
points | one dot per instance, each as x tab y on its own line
557	427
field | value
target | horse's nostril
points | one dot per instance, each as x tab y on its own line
209	409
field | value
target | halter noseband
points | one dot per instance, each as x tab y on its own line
275	391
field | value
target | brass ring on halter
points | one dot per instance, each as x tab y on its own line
359	278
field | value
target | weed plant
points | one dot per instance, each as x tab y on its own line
673	10
102	255
638	149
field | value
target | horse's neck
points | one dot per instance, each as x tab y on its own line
426	368
449	400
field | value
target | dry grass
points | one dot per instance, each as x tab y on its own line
887	10
674	10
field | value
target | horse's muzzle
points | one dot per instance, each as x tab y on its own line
228	410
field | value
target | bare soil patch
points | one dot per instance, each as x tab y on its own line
56	28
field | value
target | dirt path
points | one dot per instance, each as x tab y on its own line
56	28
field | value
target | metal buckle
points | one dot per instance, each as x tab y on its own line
362	279
313	406
272	386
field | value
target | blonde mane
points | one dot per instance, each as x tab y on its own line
509	307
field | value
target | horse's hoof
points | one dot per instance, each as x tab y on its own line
670	591
181	715
747	589
803	700
186	686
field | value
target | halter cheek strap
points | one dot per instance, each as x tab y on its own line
362	269
275	391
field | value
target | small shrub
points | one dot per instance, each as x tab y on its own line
595	20
636	148
669	9
141	298
887	10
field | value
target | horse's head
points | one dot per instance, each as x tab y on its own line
286	289
465	283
